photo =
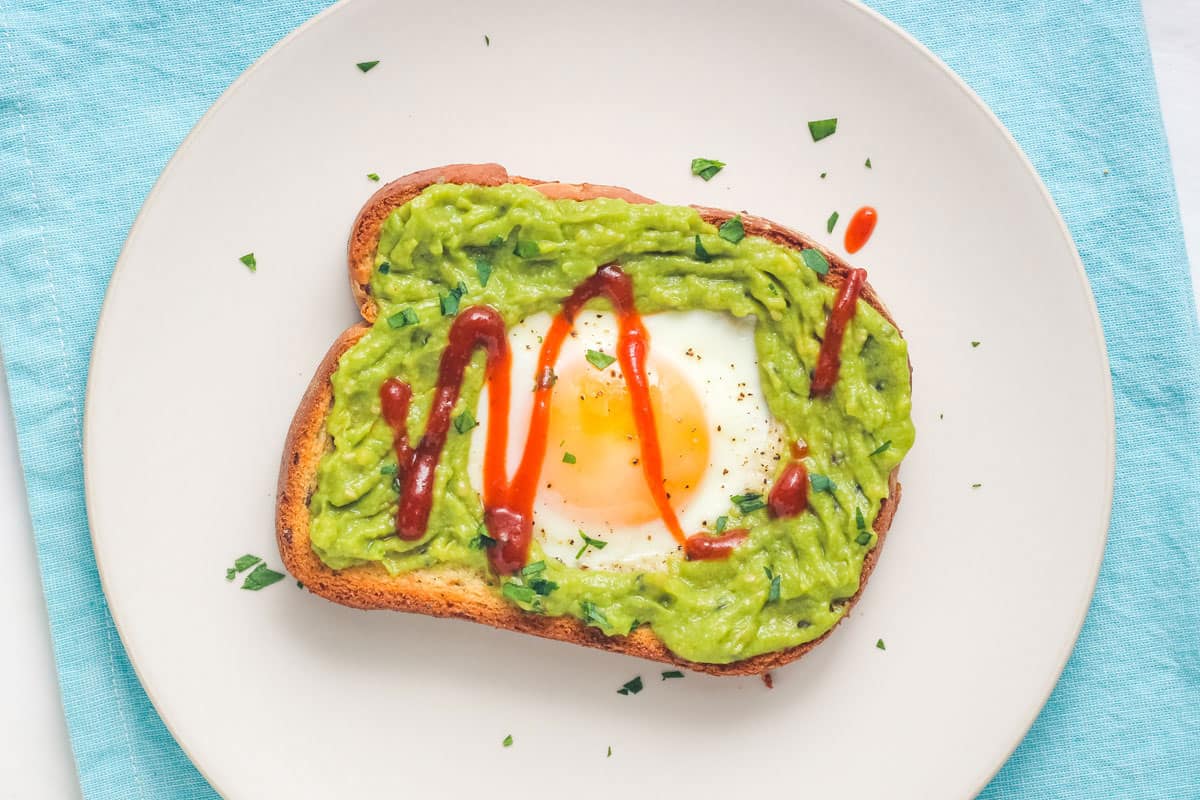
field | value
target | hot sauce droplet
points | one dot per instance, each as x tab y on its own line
861	226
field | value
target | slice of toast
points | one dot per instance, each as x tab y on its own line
459	592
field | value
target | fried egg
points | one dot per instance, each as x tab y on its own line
716	434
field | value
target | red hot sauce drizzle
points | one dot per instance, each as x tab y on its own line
508	504
829	360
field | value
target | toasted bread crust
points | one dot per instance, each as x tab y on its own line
458	592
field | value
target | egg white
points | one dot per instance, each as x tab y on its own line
717	355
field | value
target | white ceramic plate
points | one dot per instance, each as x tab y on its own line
199	365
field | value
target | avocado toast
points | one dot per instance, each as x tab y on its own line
790	574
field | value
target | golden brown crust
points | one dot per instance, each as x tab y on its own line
458	592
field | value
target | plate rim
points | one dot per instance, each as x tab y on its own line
96	358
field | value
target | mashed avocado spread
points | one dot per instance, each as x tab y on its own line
538	251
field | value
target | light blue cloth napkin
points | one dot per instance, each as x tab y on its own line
94	97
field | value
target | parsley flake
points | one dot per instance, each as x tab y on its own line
481	539
822	483
388	469
374	176
732	230
976	485
821	128
706	168
589	542
568	458
829	223
599	359
230	573
367	66
449	302
401	318
261	577
867	164
464	422
526	249
536	568
746	503
385	268
483	269
860	521
701	253
879	644
518	593
773	591
250	262
508	740
631	687
883	448
815	260
591	614
487	40
609	752
722	521
975	344
863	538
672	673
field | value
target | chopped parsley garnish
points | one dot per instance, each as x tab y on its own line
388	469
496	241
483	269
599	359
592	614
374	176
529	570
867	164
450	301
701	253
631	687
883	448
863	538
464	422
820	128
542	586
250	261
527	249
261	577
518	593
589	542
976	485
401	318
706	167
829	223
722	521
672	673
568	458
746	503
821	483
823	174
609	752
508	740
482	539
367	66
859	520
385	268
881	645
245	562
773	592
230	573
975	344
487	40
732	230
815	260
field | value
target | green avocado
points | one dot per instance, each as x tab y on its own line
521	253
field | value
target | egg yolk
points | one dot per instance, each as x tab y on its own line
591	418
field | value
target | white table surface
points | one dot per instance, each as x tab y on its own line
35	755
